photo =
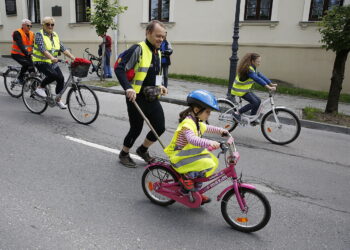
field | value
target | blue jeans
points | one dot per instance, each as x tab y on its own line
254	103
107	65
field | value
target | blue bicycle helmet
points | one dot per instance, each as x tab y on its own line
203	98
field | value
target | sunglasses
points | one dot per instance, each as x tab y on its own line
29	26
49	24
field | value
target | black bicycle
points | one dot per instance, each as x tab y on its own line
12	85
96	62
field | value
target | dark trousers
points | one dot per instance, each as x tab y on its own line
154	113
254	103
52	73
165	68
26	62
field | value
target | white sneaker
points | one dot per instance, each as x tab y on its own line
61	105
41	92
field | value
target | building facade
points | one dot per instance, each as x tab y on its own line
284	32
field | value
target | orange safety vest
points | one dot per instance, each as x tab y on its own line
27	42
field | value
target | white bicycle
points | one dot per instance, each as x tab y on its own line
279	125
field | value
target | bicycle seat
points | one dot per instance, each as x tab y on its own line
14	67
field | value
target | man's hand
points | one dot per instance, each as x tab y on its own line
54	60
163	90
273	84
130	94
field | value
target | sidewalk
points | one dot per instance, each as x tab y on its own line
179	89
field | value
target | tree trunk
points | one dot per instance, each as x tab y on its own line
103	58
336	81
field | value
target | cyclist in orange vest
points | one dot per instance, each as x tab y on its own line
22	47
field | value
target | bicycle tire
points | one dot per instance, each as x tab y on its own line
286	132
12	88
159	174
258	210
223	118
33	102
80	103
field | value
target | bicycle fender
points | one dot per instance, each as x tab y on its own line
163	164
244	185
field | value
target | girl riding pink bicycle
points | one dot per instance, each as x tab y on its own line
243	207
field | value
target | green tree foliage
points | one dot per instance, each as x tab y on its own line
335	35
102	16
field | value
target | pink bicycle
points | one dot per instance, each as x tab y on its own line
243	207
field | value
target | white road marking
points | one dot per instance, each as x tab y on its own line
101	147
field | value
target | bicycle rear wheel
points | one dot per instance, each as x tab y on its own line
98	70
223	118
282	129
157	174
256	215
12	87
83	104
31	100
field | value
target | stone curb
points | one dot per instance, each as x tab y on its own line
304	123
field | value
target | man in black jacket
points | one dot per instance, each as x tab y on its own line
147	80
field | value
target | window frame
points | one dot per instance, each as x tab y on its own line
257	12
324	9
159	11
86	18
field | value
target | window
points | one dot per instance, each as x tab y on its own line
80	8
11	7
258	10
319	7
33	11
159	10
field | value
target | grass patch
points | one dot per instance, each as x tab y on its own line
283	88
315	114
106	84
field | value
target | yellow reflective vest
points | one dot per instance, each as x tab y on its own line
53	47
142	66
191	158
240	88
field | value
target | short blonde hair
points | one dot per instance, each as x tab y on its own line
47	19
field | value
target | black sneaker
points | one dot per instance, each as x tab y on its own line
127	161
145	156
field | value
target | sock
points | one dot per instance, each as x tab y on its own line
122	153
143	149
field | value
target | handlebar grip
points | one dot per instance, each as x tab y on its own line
210	148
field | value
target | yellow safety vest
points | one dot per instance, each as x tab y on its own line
53	47
142	66
240	88
191	158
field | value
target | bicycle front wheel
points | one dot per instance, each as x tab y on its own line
157	174
256	215
224	118
83	104
12	86
282	128
31	100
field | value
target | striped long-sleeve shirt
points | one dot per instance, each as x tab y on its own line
188	136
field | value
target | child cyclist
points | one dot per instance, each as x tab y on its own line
187	150
247	75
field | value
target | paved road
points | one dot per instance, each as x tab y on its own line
59	194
